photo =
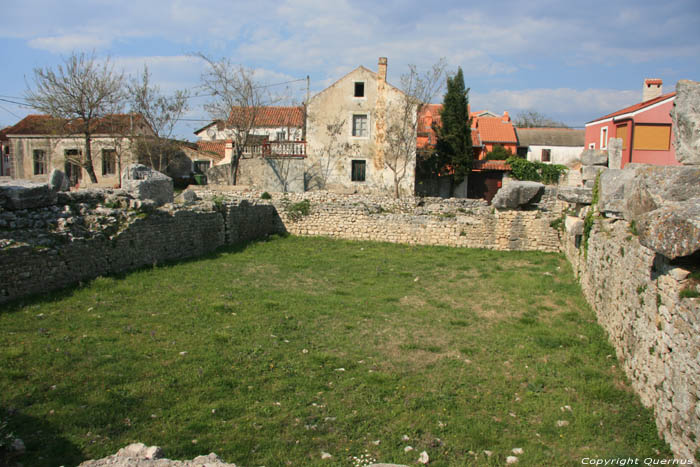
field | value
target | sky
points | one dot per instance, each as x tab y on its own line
573	61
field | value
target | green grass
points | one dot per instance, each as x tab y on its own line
272	352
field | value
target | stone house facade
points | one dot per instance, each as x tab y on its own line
347	131
39	143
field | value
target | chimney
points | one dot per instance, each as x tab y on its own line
652	88
506	117
381	69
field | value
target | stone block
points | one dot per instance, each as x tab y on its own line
23	194
574	225
145	183
615	153
673	229
516	194
187	197
577	195
611	191
686	122
652	186
594	157
590	172
58	181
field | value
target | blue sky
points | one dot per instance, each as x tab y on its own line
571	60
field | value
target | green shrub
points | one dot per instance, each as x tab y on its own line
298	210
266	195
689	293
499	153
523	169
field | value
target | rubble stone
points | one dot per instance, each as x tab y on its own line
516	194
145	183
577	195
686	119
23	194
594	157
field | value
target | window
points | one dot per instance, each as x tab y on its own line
359	89
652	137
280	135
39	162
359	126
546	155
604	138
109	162
358	171
201	166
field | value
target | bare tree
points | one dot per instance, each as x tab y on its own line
160	113
534	119
80	91
329	153
237	101
402	119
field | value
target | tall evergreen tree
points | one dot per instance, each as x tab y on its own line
454	142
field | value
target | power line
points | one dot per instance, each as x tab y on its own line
9	111
14	102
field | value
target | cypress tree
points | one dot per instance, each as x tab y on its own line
454	142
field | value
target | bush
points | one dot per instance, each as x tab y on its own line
499	153
523	169
266	195
298	210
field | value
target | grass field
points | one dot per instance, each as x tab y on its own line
274	352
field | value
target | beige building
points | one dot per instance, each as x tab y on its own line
347	133
39	143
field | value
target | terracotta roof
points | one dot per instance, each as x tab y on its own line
217	147
653	81
46	125
271	116
635	107
430	114
550	137
495	130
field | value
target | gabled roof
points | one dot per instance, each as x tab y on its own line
550	137
359	68
36	125
269	116
636	107
495	130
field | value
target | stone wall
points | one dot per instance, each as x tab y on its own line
88	234
656	334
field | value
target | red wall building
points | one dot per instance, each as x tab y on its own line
645	128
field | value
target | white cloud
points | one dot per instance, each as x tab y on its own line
573	106
69	42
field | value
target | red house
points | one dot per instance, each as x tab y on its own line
645	128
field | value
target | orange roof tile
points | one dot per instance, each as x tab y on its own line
217	147
495	130
271	116
635	107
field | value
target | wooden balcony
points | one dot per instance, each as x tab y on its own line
276	149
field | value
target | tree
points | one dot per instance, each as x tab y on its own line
402	119
80	92
454	142
329	154
533	119
160	113
237	101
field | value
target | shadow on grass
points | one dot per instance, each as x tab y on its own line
40	438
60	294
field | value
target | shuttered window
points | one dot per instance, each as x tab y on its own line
622	132
652	137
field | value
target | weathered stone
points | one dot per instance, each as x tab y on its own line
187	197
138	454
58	181
516	194
686	122
615	153
652	186
590	172
23	194
577	195
573	225
594	157
145	183
672	230
612	187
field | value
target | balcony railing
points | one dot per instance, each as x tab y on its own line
276	149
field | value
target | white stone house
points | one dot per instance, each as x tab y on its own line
352	158
39	143
550	145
